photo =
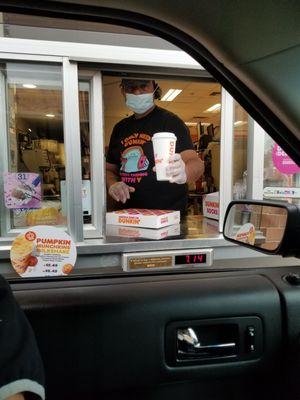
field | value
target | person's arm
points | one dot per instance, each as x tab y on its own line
194	166
117	190
112	174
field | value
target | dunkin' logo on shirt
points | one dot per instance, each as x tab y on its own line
129	220
136	139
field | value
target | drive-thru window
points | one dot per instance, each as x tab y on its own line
59	101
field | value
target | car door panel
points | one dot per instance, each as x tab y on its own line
99	338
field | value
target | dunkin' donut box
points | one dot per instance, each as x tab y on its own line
211	205
143	218
142	233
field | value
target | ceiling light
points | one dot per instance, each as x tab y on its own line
240	123
171	94
191	123
215	107
50	115
29	86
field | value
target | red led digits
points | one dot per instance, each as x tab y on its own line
190	259
199	258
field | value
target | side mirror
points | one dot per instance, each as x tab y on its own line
270	227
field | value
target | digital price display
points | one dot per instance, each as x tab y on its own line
167	260
188	259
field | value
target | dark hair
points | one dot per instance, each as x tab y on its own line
157	89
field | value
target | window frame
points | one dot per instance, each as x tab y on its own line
97	162
226	155
71	130
72	150
8	233
255	160
89	239
4	212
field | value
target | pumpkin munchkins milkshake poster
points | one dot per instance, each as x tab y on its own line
43	251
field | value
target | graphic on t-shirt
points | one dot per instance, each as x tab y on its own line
133	159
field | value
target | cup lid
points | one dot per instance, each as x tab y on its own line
164	135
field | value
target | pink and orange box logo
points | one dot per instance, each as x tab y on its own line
143	218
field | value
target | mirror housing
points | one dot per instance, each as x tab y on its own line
269	227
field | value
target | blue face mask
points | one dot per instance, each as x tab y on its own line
139	103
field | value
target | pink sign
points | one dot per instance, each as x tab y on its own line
283	162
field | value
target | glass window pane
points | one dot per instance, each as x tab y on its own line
36	155
198	107
240	139
281	174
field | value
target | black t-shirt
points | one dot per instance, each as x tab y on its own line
21	368
131	149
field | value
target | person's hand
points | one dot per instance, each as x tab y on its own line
176	170
120	191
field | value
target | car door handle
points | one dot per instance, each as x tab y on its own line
189	346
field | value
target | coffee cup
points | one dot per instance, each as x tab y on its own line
164	144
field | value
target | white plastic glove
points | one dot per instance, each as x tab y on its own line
176	170
120	191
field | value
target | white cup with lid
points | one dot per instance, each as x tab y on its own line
164	144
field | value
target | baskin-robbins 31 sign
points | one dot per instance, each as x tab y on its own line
43	251
22	190
283	162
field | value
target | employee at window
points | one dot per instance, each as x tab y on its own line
21	369
130	158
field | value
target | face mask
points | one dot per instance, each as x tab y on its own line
139	103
